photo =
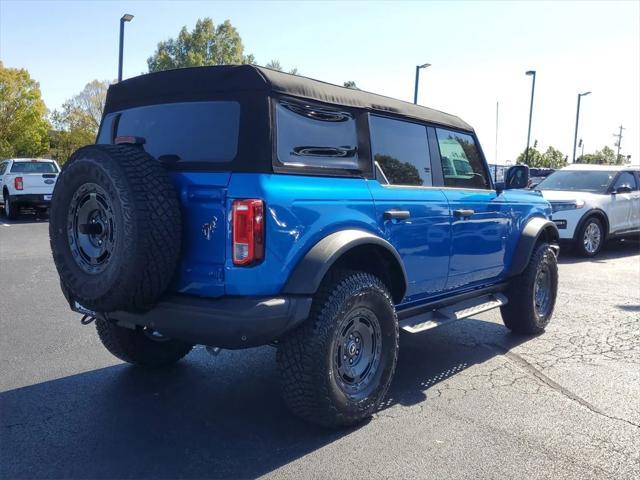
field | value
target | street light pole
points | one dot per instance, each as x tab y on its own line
415	88
127	17
533	89
575	135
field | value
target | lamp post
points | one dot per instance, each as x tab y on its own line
415	90
127	17
533	89
575	135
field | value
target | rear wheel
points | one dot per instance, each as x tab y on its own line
532	294
140	346
10	208
590	238
336	368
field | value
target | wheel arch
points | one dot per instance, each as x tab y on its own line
353	249
594	212
535	230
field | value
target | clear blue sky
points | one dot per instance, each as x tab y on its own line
479	51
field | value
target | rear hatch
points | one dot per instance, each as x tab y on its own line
38	177
190	138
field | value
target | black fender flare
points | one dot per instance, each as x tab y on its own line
312	268
531	233
594	212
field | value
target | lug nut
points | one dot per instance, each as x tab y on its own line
350	361
357	340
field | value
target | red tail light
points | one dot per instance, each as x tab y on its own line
17	182
248	231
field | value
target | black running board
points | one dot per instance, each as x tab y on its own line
451	313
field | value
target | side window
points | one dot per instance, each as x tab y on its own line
462	165
626	179
401	150
3	167
318	137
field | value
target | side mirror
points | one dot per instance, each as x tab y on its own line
623	189
516	176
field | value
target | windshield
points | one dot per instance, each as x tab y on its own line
34	167
578	180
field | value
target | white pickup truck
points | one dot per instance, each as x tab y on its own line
27	182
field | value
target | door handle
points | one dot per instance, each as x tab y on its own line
396	214
462	213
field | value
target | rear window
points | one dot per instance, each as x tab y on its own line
194	131
319	137
34	167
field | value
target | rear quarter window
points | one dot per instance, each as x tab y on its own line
194	131
313	136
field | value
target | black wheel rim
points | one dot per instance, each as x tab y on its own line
91	227
357	351
542	292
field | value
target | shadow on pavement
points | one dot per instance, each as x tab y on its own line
25	216
612	249
208	417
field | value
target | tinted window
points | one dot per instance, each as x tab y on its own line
34	167
316	137
462	165
402	151
195	132
626	179
578	180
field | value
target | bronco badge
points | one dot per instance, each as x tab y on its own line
209	228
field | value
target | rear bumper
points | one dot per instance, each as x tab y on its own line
228	322
36	200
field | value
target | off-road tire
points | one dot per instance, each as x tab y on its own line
138	347
520	315
579	245
11	210
306	357
145	216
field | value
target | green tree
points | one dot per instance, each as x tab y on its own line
77	123
275	65
351	84
206	44
606	156
23	124
534	159
551	158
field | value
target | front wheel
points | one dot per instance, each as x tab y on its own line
590	238
532	294
140	346
336	368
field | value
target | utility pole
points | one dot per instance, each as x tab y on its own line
619	142
575	135
531	73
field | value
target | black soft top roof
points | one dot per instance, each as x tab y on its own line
201	83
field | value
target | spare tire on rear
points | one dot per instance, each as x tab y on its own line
115	228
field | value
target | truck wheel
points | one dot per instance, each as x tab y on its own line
336	368
140	346
114	228
11	210
532	294
590	238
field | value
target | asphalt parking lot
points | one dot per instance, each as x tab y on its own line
469	400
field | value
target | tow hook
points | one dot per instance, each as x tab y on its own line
213	351
87	319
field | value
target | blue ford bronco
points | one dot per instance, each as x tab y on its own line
237	206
